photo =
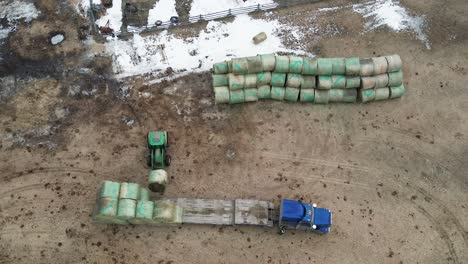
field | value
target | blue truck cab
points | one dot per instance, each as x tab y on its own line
303	216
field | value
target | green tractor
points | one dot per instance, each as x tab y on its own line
158	142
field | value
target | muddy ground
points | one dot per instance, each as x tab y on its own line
393	172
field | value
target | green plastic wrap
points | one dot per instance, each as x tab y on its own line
109	189
263	78
395	78
309	66
307	95
236	97
220	80
240	66
382	94
397	91
294	80
353	66
295	64
291	94
221	68
324	66
353	82
308	82
254	64
338	66
338	82
126	209
250	81
268	62
236	82
264	92
221	95
282	64
250	95
143	213
324	82
321	96
278	79
129	191
277	93
367	95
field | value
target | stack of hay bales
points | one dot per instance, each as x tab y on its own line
305	79
123	203
381	79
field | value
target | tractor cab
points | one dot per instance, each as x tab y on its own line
158	142
303	216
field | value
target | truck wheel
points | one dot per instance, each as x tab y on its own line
282	230
167	160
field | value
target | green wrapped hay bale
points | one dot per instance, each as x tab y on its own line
129	191
380	65
229	65
109	189
263	78
324	66
106	211
254	64
367	67
277	93
250	80
144	194
368	82
394	63
126	209
220	80
353	66
251	95
221	95
397	91
240	66
381	80
338	66
236	97
338	82
158	180
353	82
367	95
167	212
268	62
307	95
321	96
221	68
278	79
143	213
324	82
264	92
349	95
335	95
308	82
295	64
236	82
294	80
282	64
291	94
395	78
309	66
382	93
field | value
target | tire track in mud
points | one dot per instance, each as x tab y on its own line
23	173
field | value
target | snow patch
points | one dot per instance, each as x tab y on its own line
57	39
203	7
15	12
113	15
163	10
218	42
391	14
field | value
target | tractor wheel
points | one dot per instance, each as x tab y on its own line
166	140
148	160
167	160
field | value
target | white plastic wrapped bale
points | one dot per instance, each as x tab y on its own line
380	65
263	78
308	82
367	95
321	96
294	80
277	93
250	95
250	81
264	92
167	212
157	181
236	82
382	94
291	94
394	62
307	95
367	67
221	95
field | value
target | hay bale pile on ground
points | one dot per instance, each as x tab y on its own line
304	79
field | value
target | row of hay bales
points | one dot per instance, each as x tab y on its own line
305	79
123	203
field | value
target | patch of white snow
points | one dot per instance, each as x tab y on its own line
163	10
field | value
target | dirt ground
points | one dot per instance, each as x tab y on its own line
394	173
